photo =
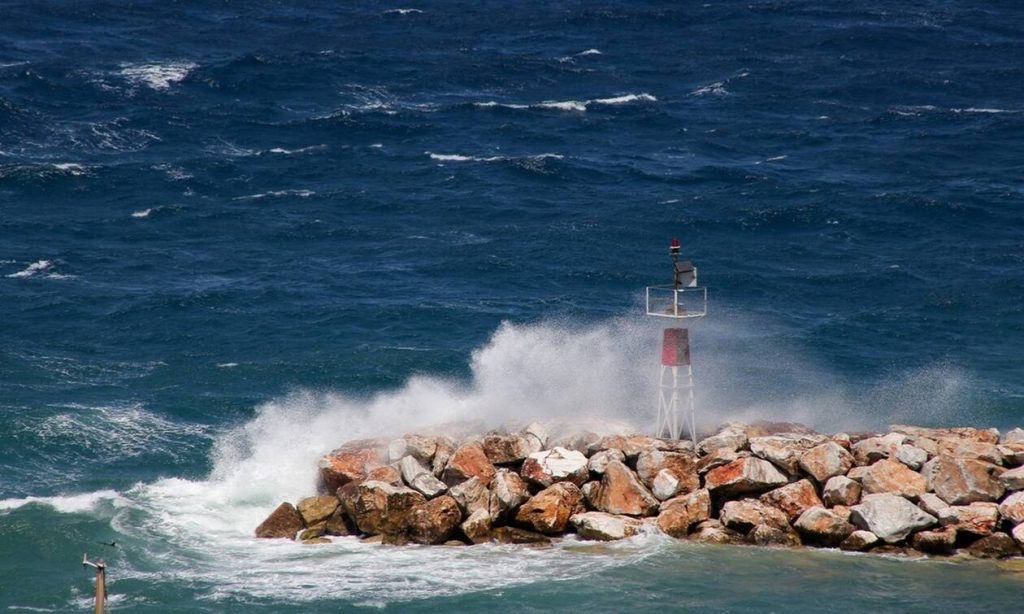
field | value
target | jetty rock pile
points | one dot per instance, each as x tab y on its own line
937	491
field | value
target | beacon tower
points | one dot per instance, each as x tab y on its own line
679	302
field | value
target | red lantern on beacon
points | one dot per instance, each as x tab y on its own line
680	303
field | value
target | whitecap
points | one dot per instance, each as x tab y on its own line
624	99
563	105
465	158
227	365
36	267
278	193
70	168
68	504
574	106
776	158
157	76
142	213
715	89
290	152
983	110
590	52
402	12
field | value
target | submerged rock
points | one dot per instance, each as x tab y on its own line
512	535
995	546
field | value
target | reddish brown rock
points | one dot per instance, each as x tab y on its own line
939	541
745	514
512	535
959	481
433	522
385	473
978	518
965	448
338	524
793	499
732	438
841	490
995	546
556	465
599	460
378	507
679	514
351	462
818	525
826	460
716	535
442	453
967	433
683	465
621	492
895	477
633	445
471	496
466	462
873	449
744	476
283	522
549	510
719	458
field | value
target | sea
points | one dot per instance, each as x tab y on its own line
234	235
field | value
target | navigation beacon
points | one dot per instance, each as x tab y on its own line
683	300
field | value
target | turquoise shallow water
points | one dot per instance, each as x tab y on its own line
232	237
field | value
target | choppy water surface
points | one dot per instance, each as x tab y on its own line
232	237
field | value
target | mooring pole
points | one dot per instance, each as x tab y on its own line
101	583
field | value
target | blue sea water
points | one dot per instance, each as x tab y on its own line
234	235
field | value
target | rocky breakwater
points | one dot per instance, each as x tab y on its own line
937	491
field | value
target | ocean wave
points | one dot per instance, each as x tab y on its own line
290	152
68	504
157	76
403	12
277	194
719	88
43	171
31	270
576	106
465	158
143	213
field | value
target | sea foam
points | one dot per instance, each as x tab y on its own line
574	106
157	76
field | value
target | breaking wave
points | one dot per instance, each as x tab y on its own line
157	76
577	106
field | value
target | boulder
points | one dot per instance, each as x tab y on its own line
1013	454
443	451
744	476
683	465
964	448
959	481
793	499
931	503
477	528
620	492
665	485
338	524
1018	534
873	449
508	492
841	490
966	433
891	517
1012	508
509	449
1013	436
604	527
600	460
731	438
421	448
745	514
820	526
385	473
842	511
466	462
417	477
765	535
380	508
581	442
433	522
678	515
995	546
859	541
784	451
911	456
283	522
539	434
556	465
716	535
316	510
939	541
857	473
549	510
842	439
719	458
315	540
895	477
590	491
471	496
978	518
396	450
351	462
826	460
633	445
1013	479
512	535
